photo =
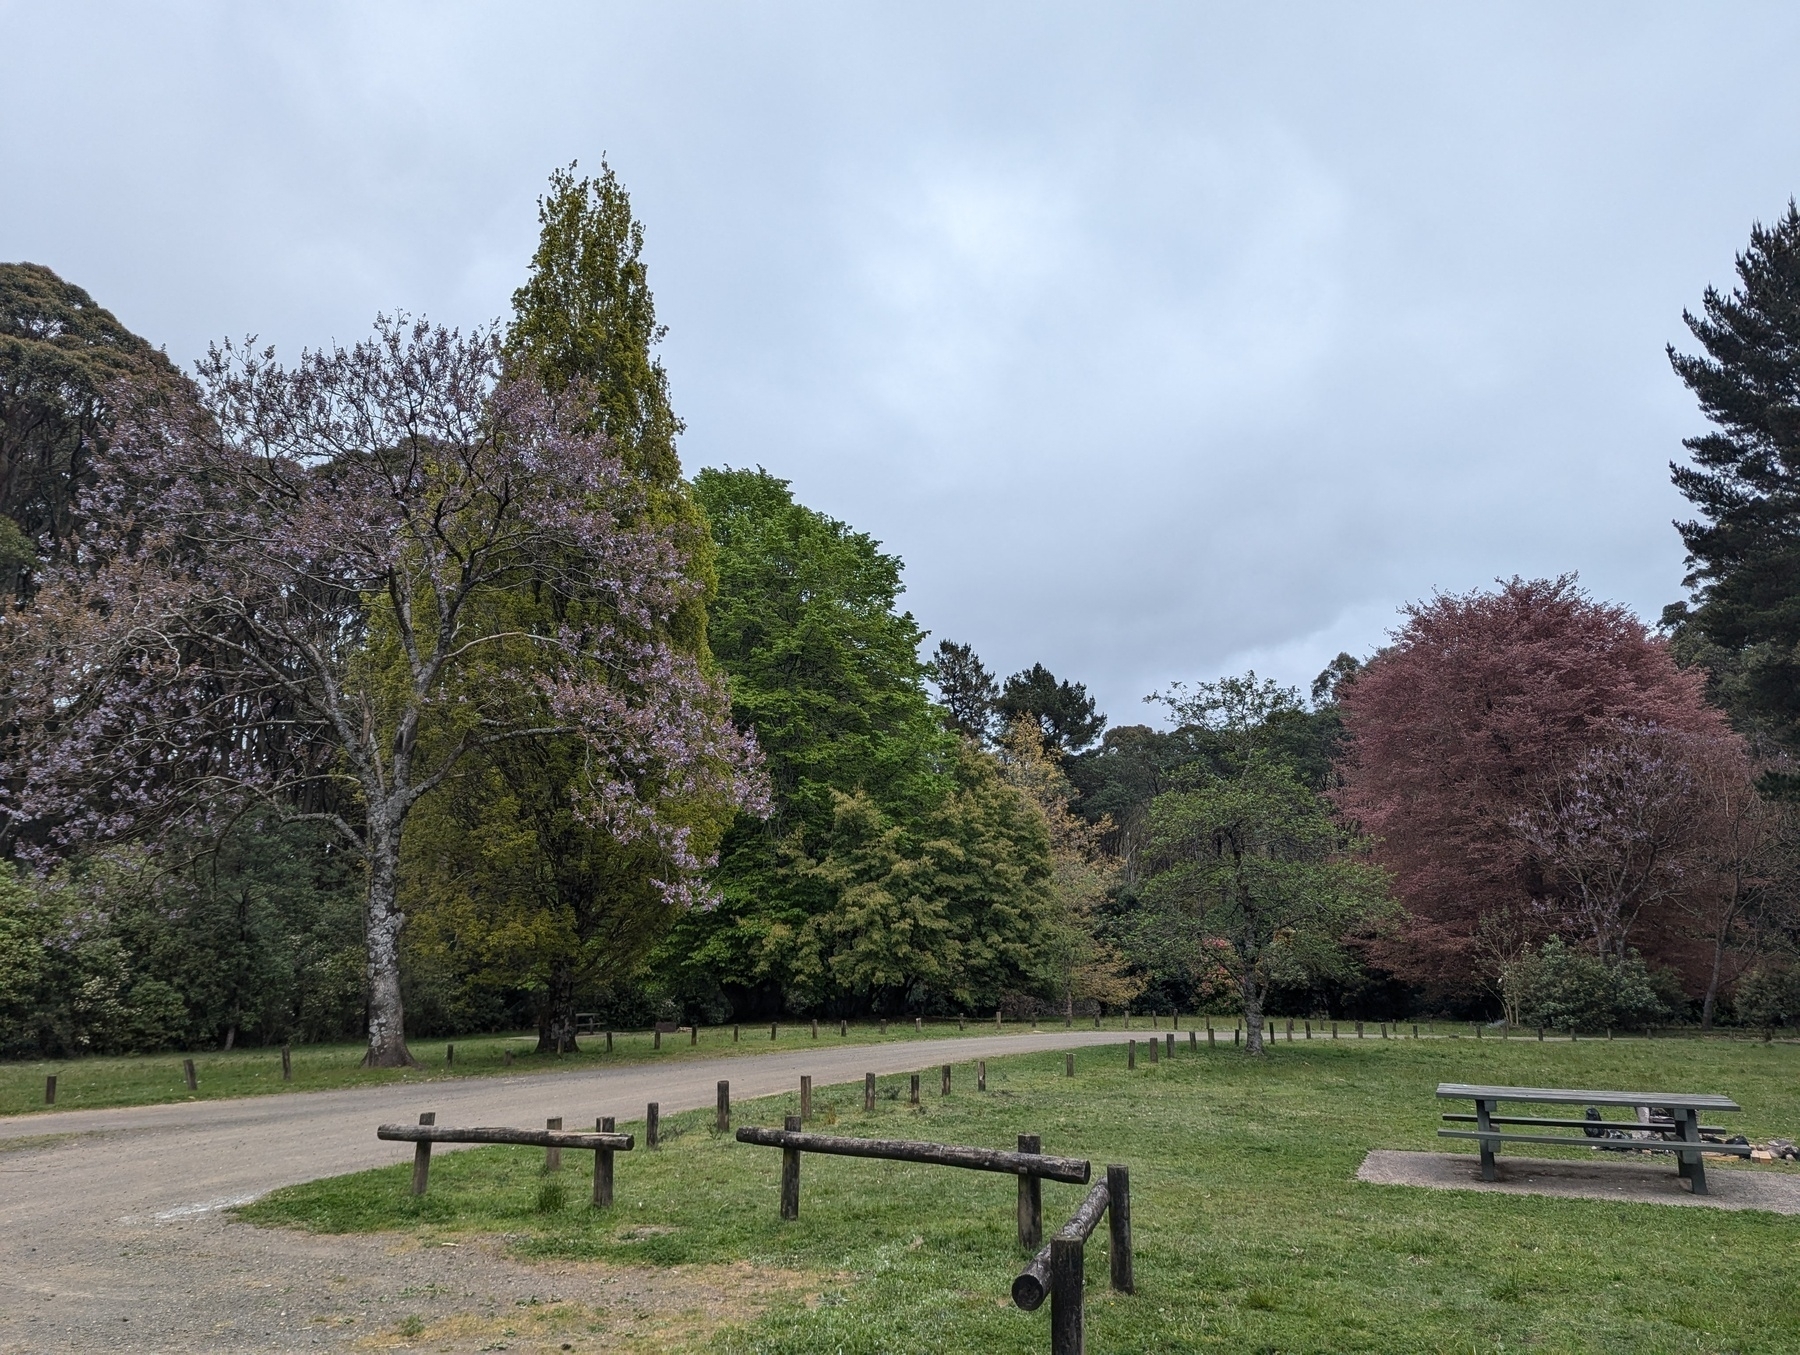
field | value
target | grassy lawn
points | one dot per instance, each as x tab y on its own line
151	1079
1252	1233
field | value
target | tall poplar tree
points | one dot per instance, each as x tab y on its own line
512	887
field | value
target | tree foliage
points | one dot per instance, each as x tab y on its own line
1744	482
60	355
1485	709
1066	716
967	691
294	593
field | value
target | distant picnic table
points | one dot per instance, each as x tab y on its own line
1664	1113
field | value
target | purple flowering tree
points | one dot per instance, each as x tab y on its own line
300	586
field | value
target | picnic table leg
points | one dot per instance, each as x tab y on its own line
1692	1167
1483	1111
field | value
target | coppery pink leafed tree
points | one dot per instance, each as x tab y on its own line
293	588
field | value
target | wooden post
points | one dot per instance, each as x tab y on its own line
996	1018
506	1058
918	1025
553	1156
914	1099
773	1029
1609	1032
1031	1199
790	1174
815	1027
652	1123
603	1167
1067	1267
1154	1052
1210	1033
959	1025
882	1028
449	1055
1118	1213
1193	1041
946	1088
694	1033
1415	1032
1540	1034
844	1029
422	1157
868	1091
1068	1065
1359	1033
187	1071
734	1034
981	1075
609	1042
1096	1020
287	1063
805	1097
1170	1037
50	1091
722	1119
1334	1030
1309	1030
656	1039
1130	1054
1290	1030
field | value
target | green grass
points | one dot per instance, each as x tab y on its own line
152	1079
1252	1233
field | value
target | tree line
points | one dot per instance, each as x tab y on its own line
412	687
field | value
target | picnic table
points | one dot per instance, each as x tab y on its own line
1674	1117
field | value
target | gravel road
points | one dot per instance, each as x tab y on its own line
111	1236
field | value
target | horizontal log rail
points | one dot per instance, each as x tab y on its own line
528	1138
1069	1170
553	1138
1033	1285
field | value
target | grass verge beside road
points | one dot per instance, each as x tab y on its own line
153	1079
1252	1233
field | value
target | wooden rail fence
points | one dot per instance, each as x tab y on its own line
603	1143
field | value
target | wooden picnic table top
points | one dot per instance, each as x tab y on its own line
1465	1091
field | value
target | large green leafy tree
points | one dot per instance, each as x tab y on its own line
899	870
510	889
59	356
1743	617
1253	878
826	669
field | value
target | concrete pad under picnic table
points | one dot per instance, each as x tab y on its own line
1643	1180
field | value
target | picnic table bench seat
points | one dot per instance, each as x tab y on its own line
1674	1116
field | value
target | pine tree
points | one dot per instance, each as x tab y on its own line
1743	618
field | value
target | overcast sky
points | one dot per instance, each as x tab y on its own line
1159	342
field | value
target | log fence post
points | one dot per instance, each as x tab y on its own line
187	1071
652	1124
868	1091
722	1119
603	1167
422	1157
1067	1272
1031	1199
1155	1049
734	1034
981	1075
946	1087
844	1029
1193	1041
773	1030
553	1156
914	1098
506	1058
656	1039
815	1025
609	1042
996	1018
918	1025
50	1090
1118	1214
805	1097
694	1034
449	1056
1170	1047
1130	1054
1068	1065
790	1173
881	1028
287	1063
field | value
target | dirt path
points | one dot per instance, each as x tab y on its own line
111	1236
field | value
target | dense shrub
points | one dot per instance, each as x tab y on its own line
1563	988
